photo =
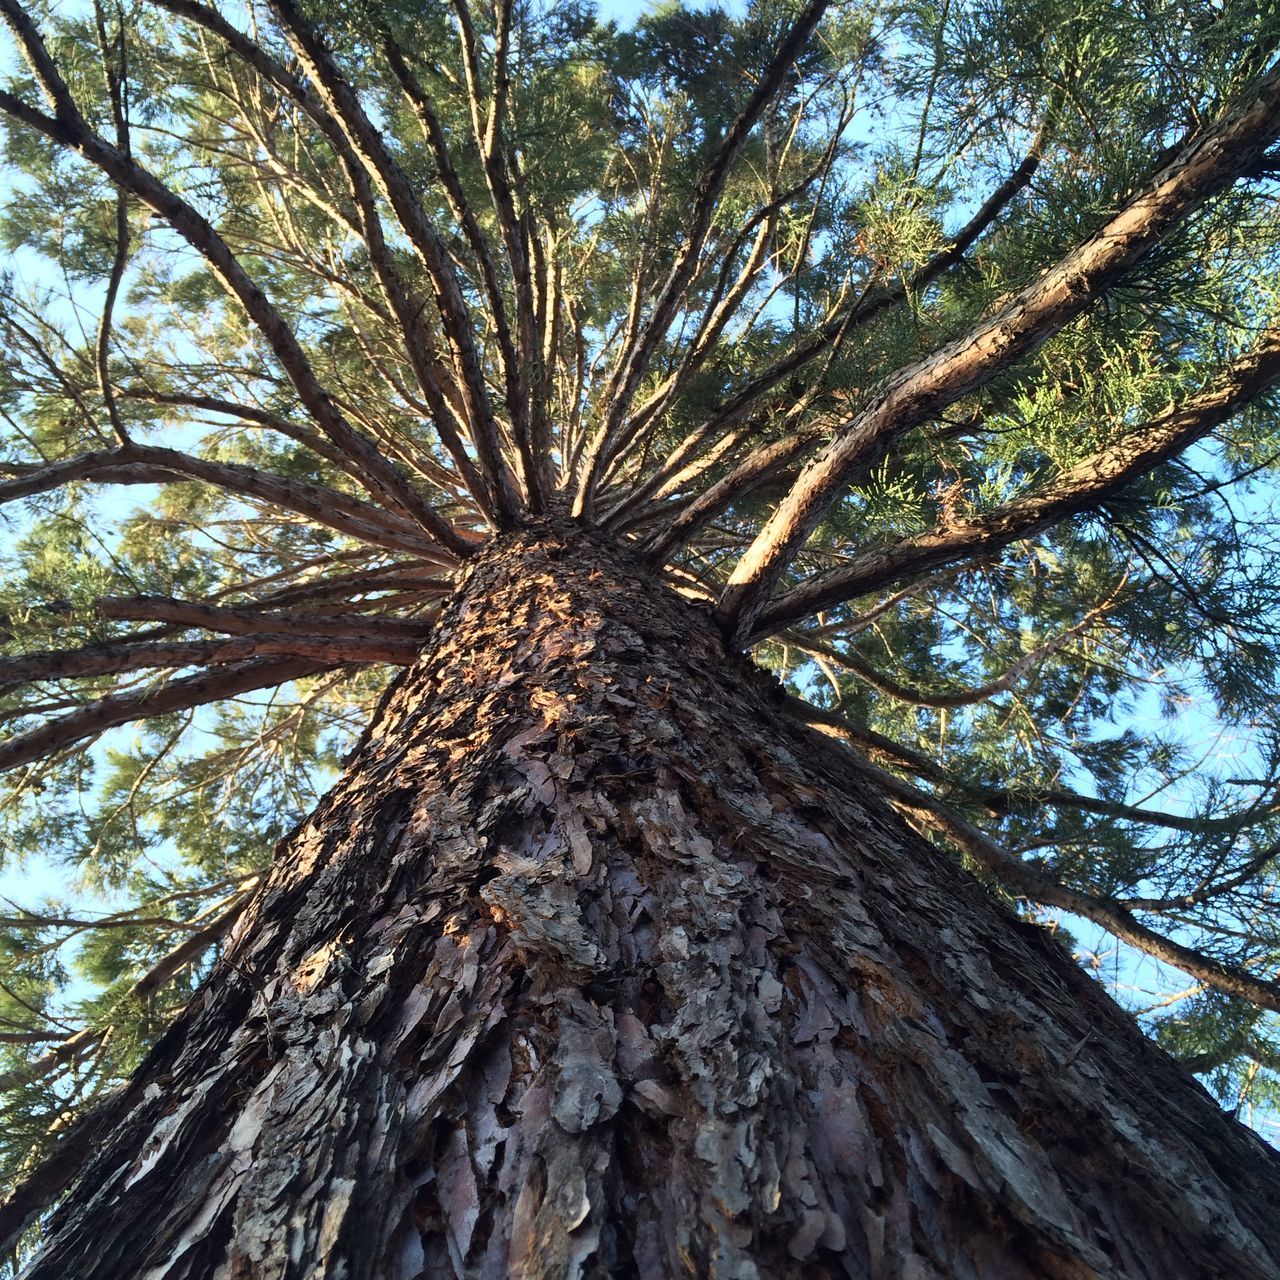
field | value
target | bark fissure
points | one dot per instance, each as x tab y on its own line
596	964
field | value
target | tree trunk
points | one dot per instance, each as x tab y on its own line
595	964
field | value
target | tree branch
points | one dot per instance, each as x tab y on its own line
1203	168
1079	488
341	100
147	464
234	621
69	129
436	381
634	359
1030	882
177	695
116	658
961	697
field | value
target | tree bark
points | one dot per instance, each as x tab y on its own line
595	963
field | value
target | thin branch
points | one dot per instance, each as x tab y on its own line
1038	886
874	302
1211	888
83	1042
1005	681
177	695
341	100
68	128
635	357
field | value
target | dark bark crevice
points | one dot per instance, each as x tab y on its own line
595	963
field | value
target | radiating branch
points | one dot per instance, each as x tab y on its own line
634	359
239	621
116	658
1080	488
68	128
1206	166
436	381
342	102
1039	886
149	464
112	709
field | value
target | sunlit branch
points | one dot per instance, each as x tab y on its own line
1206	166
1080	488
635	357
487	130
459	206
726	298
760	466
693	456
68	128
436	381
343	103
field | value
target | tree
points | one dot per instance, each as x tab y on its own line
499	382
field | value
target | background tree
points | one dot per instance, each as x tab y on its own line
927	351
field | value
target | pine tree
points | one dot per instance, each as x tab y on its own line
661	557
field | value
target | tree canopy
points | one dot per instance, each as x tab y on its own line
932	345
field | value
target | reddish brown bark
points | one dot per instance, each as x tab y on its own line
595	963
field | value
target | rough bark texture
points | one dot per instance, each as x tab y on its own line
595	964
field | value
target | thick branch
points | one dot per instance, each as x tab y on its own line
755	469
1080	488
922	390
147	464
115	659
194	613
